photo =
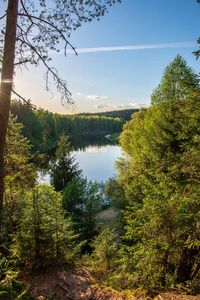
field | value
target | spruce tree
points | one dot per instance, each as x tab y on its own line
160	177
43	232
64	169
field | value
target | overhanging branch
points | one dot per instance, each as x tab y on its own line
23	99
61	85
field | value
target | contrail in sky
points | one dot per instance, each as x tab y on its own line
134	47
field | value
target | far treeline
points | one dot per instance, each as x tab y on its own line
123	114
44	128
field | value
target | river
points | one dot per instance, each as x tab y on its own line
95	156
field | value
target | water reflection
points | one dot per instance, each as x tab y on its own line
97	163
81	142
95	155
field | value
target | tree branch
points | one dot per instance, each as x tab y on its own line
49	24
60	83
1	18
23	99
21	62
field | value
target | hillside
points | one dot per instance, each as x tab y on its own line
79	283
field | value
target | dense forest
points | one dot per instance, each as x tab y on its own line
44	128
122	114
154	241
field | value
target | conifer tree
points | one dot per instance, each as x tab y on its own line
64	169
82	201
160	178
178	82
104	248
43	233
19	172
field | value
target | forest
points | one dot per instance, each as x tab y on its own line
122	114
43	128
154	240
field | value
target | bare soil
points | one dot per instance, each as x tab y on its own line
68	283
79	284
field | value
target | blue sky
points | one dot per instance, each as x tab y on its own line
120	58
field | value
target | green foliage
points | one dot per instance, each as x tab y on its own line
44	128
19	172
11	287
43	233
115	193
32	127
160	177
115	137
178	81
104	249
82	201
64	169
121	114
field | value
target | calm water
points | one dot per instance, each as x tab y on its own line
97	163
96	159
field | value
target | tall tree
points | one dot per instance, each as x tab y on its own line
42	231
82	200
19	172
6	86
160	177
64	169
178	81
32	27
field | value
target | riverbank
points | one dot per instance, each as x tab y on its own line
113	137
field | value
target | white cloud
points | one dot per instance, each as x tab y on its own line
134	47
96	97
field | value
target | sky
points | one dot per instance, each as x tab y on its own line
120	58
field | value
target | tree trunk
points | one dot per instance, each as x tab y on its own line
6	87
187	265
186	261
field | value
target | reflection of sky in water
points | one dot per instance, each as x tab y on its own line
97	163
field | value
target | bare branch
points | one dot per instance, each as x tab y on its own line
21	62
61	84
51	25
23	99
24	8
1	18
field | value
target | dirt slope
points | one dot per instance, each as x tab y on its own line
72	284
79	284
